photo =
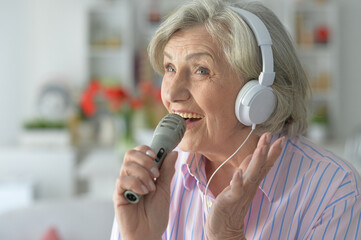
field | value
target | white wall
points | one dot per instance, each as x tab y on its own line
12	62
350	65
40	40
45	38
57	44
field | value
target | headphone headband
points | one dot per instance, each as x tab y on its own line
264	41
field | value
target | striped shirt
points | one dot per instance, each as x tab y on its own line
308	194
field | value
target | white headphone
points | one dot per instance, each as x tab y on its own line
256	100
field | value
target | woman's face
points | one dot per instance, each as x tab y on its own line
199	84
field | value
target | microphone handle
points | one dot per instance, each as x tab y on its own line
131	196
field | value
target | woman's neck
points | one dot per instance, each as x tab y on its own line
224	175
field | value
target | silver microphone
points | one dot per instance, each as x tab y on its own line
168	133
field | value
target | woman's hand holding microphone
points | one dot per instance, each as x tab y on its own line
143	188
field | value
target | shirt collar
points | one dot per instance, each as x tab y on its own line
194	170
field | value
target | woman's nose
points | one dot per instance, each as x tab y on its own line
177	89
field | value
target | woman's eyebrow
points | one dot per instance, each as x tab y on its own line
167	55
198	54
191	55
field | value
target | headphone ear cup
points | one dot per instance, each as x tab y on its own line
255	103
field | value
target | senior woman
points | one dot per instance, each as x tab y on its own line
278	185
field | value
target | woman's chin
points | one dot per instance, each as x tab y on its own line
187	146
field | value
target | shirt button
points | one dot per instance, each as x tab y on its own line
209	204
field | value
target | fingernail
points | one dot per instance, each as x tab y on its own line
150	153
240	173
144	189
151	185
268	138
283	143
154	171
234	178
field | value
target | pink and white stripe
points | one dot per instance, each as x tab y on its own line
308	194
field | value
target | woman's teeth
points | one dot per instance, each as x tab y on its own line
189	115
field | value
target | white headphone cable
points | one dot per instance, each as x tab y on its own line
210	179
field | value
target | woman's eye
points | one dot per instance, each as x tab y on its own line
169	68
202	71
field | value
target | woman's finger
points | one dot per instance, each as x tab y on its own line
138	171
237	184
124	183
147	150
264	141
245	163
275	151
143	158
263	159
252	175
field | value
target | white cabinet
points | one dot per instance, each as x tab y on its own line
51	171
314	25
111	45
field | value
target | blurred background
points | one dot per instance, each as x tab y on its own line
77	90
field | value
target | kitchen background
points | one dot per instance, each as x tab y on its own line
77	90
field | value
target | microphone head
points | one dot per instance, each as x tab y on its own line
168	133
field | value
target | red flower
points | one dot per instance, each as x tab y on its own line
116	96
148	90
87	98
136	103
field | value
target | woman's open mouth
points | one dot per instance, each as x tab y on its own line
191	118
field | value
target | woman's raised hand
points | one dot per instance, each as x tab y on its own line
226	217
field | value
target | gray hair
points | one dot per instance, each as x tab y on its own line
239	45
